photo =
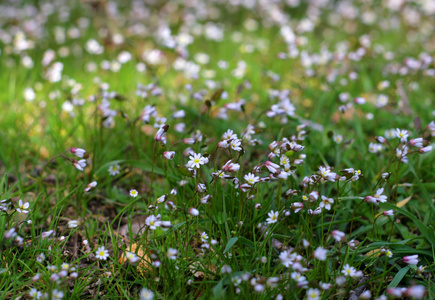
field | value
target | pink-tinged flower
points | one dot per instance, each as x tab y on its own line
297	206
389	212
425	149
359	100
396	292
326	203
80	165
169	154
339	236
411	259
90	186
193	211
161	133
315	212
79	152
416	292
245	187
381	139
320	253
224	144
272	167
314	195
377	197
205	199
230	166
418	142
257	206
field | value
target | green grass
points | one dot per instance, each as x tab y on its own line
245	259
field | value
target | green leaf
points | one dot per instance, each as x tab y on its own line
184	171
230	244
399	276
427	232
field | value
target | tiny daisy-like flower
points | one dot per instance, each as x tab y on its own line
313	294
134	193
235	145
102	253
132	257
57	294
337	138
320	253
273	217
348	271
172	253
204	237
35	294
22	207
252	179
146	294
114	169
196	160
153	222
402	135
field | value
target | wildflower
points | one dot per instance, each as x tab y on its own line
259	288
273	217
169	154
366	295
35	294
411	259
226	269
297	206
40	258
205	199
416	291
420	270
196	160
389	212
193	211
172	253
102	253
377	197
146	294
153	222
251	178
287	258
79	152
327	174
402	135
326	203
132	257
90	186
348	271
352	244
381	139
396	292
320	253
315	212
314	195
73	224
338	235
22	207
134	193
235	144
313	294
114	169
204	237
272	167
57	294
201	188
375	148
160	134
337	138
79	165
418	142
425	149
325	286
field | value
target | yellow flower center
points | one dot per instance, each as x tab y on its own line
196	161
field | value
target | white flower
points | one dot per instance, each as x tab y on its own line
320	253
57	294
348	271
80	165
204	237
313	294
252	179
134	193
90	186
273	217
235	145
35	294
196	160
326	203
73	224
153	222
172	253
146	294
132	257
402	135
114	169
102	253
22	207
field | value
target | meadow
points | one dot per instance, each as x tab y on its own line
221	149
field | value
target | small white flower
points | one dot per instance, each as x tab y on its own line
102	253
22	207
273	217
146	294
134	193
114	169
172	253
